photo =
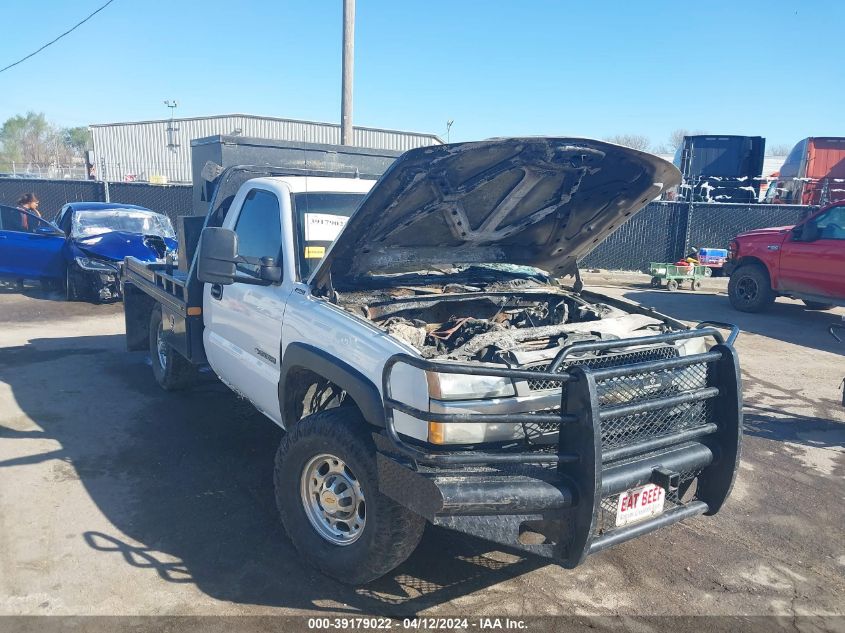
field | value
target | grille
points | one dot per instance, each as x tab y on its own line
637	388
637	427
601	362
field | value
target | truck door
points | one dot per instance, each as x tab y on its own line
243	322
817	266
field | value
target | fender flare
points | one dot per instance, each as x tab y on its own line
754	260
360	388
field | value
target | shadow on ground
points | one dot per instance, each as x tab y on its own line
769	406
186	481
789	322
767	415
47	304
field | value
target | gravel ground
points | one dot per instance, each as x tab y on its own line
118	498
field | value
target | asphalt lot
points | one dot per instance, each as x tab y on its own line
119	498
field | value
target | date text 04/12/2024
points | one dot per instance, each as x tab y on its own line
429	624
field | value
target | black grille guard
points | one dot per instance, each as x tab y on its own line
454	458
585	471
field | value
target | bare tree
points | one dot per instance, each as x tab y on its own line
634	141
779	149
676	138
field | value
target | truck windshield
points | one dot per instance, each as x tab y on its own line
87	223
319	219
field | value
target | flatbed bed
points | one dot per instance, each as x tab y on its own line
180	297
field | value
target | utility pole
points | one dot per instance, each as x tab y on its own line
348	63
172	143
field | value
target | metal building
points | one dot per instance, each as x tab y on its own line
160	151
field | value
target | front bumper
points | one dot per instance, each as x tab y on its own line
95	285
560	501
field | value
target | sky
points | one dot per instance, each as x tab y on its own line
588	68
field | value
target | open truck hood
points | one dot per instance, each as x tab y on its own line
544	202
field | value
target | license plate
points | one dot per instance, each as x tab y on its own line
639	503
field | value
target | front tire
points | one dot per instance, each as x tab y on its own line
327	493
172	371
750	289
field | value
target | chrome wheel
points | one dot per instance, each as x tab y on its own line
161	347
333	499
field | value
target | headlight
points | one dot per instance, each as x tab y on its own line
466	387
85	263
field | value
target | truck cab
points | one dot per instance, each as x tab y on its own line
292	220
805	261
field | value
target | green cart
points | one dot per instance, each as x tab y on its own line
674	275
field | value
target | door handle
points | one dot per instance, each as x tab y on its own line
217	291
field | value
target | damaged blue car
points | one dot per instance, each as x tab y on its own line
81	251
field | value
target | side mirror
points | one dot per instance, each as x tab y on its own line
218	255
269	270
809	232
218	258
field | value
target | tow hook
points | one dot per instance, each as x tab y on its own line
667	479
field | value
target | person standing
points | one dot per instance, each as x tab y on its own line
28	202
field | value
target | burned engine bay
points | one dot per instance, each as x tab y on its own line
456	322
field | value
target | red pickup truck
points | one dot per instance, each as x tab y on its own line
805	261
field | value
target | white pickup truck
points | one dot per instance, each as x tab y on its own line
412	338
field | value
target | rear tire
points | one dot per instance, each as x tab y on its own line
750	289
172	371
672	285
815	305
353	543
696	284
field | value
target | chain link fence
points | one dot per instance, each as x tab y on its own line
666	231
715	225
171	200
52	194
656	233
663	231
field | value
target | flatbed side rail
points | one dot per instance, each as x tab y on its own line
182	308
155	280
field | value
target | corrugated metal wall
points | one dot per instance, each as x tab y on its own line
140	150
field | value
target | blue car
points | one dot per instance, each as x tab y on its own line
82	250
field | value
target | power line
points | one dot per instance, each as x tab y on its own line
50	43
